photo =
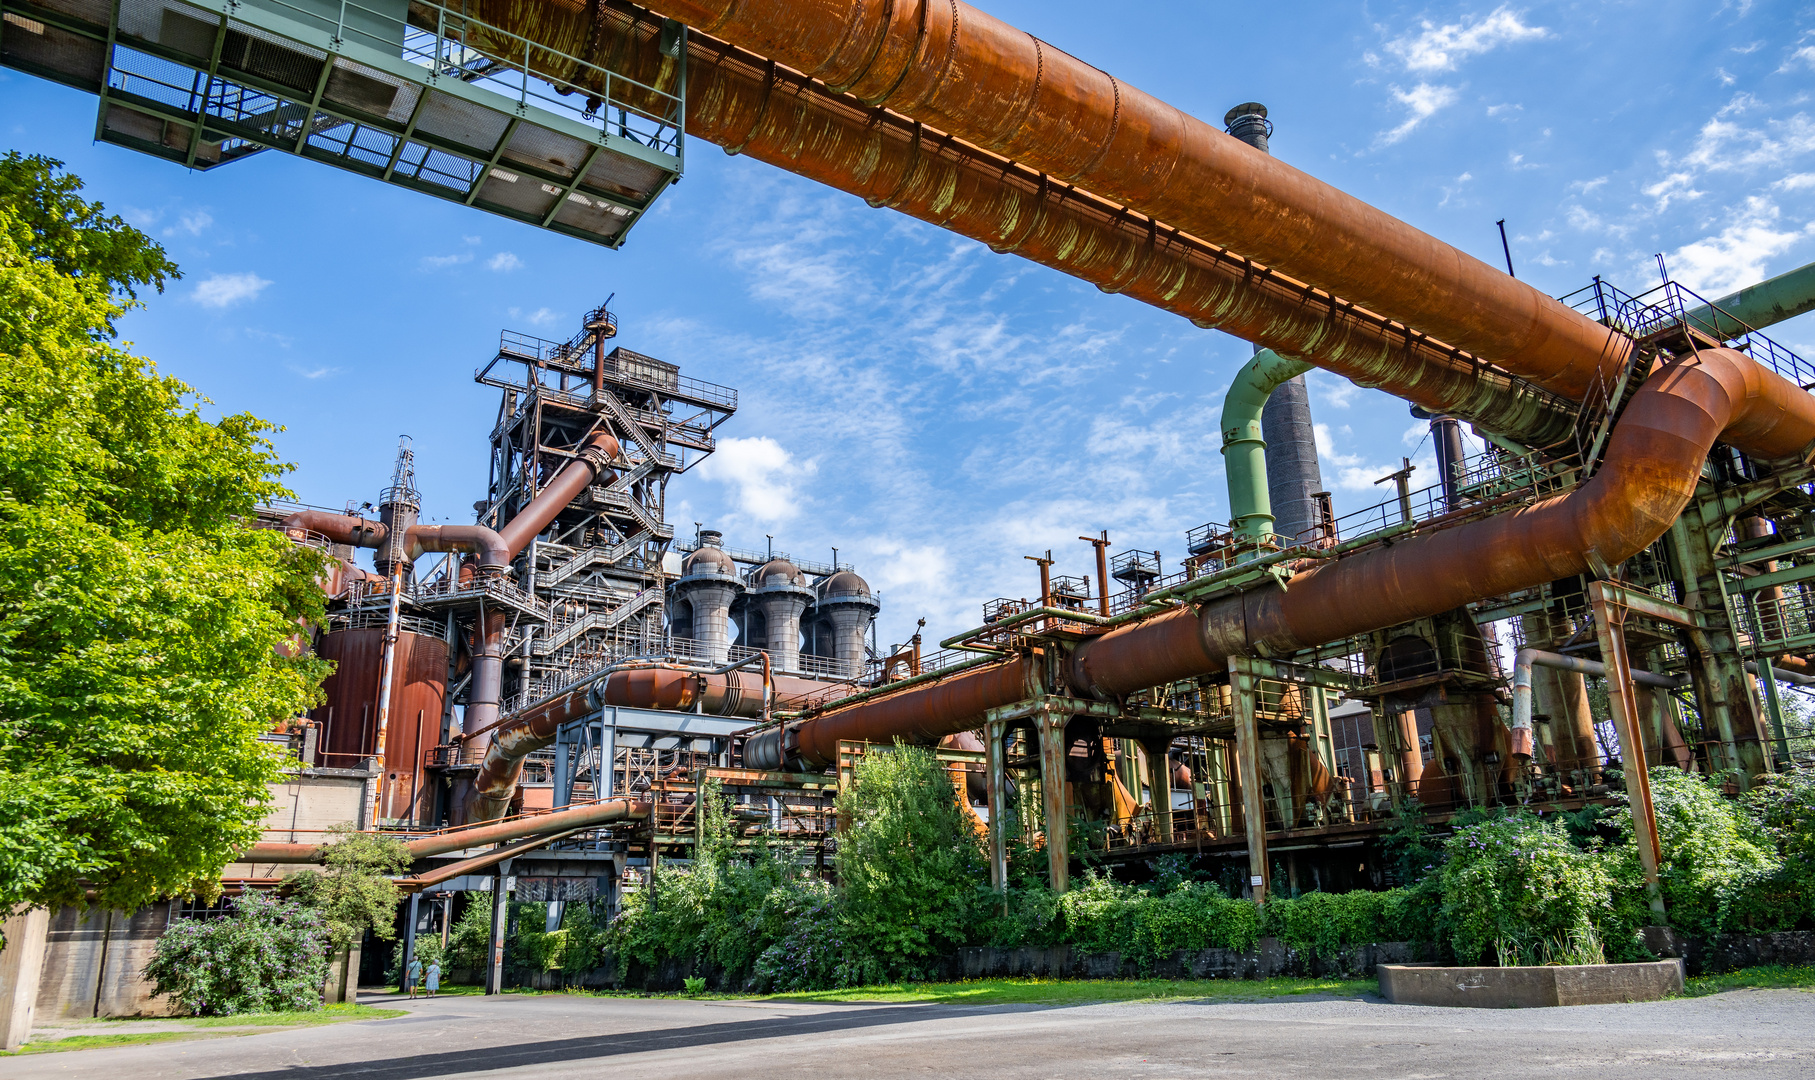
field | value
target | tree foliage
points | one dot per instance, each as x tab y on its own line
141	618
1515	882
265	955
353	890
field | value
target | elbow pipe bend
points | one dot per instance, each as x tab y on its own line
593	460
1244	448
494	555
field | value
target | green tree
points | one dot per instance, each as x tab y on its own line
142	621
353	890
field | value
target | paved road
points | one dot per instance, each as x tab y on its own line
1768	1033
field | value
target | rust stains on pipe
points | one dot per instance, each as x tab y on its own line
593	461
949	65
1649	473
752	106
340	528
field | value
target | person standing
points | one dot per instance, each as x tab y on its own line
434	977
413	974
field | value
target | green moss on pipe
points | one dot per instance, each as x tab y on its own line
1244	450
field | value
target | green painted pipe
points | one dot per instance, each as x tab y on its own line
1244	450
1758	306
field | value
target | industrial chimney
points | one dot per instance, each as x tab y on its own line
1293	477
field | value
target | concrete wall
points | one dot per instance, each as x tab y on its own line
305	805
21	965
93	963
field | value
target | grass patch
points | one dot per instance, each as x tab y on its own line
204	1027
1764	977
1034	991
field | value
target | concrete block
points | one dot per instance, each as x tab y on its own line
21	968
1529	987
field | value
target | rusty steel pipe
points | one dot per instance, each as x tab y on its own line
729	693
751	106
949	65
579	817
494	554
1653	462
340	528
594	460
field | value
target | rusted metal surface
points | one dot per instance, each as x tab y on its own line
593	461
924	714
494	554
949	65
440	843
340	528
348	718
751	106
1653	462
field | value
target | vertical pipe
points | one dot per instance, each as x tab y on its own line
1447	434
386	666
409	944
494	963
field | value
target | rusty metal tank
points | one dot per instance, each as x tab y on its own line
349	717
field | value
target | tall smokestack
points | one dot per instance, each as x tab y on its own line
1285	423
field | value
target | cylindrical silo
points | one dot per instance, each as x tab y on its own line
779	591
349	718
707	586
845	600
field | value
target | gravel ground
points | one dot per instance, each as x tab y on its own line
1767	1033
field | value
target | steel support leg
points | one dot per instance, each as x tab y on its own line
494	966
1052	797
409	943
1610	622
996	782
1247	771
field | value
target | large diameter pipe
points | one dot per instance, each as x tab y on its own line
922	715
493	551
421	847
1653	462
965	72
750	106
1757	306
346	529
1648	474
594	460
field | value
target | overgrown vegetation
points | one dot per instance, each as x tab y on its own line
353	890
141	619
1506	886
266	955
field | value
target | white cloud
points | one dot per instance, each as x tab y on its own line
314	372
1678	185
1803	57
1354	472
1440	48
762	472
1796	182
504	262
191	223
225	290
1423	101
1737	255
1498	110
442	262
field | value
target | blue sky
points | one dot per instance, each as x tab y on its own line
936	411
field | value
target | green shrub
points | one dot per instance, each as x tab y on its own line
1327	923
1102	915
1714	853
1515	881
908	861
471	937
353	890
266	955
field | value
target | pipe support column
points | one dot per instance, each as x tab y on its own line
1159	783
995	781
1050	727
1247	770
1610	629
